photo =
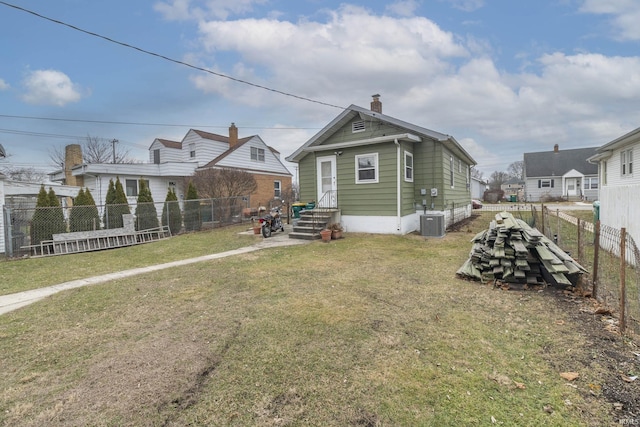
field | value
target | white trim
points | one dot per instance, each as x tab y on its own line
375	168
369	141
407	153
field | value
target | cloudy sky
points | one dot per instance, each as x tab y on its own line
503	77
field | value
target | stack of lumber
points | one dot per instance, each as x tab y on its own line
512	251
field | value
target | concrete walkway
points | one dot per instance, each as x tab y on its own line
15	301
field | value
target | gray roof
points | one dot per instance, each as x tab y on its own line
354	110
552	163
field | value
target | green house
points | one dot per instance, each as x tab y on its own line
383	174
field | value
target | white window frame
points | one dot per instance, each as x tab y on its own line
451	171
374	167
136	190
192	150
257	154
626	162
277	189
545	183
408	166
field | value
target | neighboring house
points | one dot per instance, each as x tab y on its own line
17	201
383	173
513	187
478	187
560	174
620	183
171	163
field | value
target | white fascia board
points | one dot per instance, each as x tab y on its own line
369	141
143	169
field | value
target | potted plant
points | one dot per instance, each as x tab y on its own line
325	234
256	226
336	230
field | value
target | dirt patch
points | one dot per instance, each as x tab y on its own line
609	359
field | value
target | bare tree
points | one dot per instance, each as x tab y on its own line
497	179
516	170
94	150
24	174
477	174
216	183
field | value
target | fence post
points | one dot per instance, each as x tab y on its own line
623	279
580	241
9	233
596	254
542	217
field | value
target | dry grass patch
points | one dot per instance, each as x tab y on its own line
365	331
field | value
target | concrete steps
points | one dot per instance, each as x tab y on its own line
310	223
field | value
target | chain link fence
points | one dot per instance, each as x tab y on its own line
28	226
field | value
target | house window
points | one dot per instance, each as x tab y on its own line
192	150
156	156
451	171
408	166
357	126
604	173
626	162
257	154
459	166
277	189
591	183
545	183
133	185
367	168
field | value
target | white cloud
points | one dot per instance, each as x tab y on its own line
182	10
352	50
4	85
467	5
403	7
426	76
50	87
625	15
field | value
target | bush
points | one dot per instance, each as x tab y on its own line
146	215
84	214
116	205
171	214
192	218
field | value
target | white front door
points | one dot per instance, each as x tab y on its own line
572	187
327	180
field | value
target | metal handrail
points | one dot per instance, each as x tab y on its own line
329	200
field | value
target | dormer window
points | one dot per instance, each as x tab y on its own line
357	126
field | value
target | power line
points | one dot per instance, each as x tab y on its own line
195	67
111	122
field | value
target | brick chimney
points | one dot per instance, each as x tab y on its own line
233	135
376	105
72	157
556	148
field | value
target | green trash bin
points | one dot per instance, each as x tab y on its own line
513	198
296	208
596	211
310	205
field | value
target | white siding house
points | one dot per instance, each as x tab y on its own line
2	231
171	162
562	174
620	183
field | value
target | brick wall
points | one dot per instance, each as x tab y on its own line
265	190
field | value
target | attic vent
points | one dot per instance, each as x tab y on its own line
357	126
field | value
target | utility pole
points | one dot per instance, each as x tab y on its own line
113	144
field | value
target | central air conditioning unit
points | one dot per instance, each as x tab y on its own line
432	225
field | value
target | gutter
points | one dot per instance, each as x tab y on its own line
368	141
398	186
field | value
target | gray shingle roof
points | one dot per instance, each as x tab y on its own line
551	163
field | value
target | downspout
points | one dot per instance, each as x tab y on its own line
398	189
